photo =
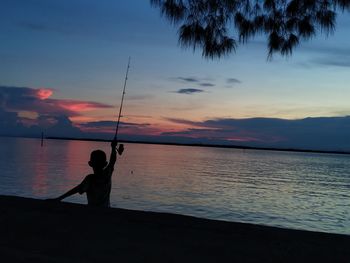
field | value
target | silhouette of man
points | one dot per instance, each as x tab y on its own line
97	186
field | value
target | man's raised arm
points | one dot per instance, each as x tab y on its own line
113	157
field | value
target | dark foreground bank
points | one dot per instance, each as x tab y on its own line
37	231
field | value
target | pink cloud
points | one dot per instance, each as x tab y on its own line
44	93
77	105
40	101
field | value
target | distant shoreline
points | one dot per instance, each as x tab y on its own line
205	145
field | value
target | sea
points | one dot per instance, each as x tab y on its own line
297	190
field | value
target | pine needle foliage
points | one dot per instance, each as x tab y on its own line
218	26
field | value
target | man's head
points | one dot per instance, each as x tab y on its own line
98	159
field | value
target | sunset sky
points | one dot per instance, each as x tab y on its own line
63	64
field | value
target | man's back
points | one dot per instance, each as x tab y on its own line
98	187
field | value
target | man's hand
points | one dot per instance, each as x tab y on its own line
114	144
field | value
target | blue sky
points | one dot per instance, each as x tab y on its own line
78	49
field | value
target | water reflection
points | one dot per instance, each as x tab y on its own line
298	190
40	179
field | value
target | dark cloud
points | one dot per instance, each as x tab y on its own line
206	84
327	56
131	124
324	133
190	131
40	27
97	124
188	79
62	126
108	127
8	121
326	50
189	91
182	121
343	61
233	81
13	125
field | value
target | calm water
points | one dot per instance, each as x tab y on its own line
294	190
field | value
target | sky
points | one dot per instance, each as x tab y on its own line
63	65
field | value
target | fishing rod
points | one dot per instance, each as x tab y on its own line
121	103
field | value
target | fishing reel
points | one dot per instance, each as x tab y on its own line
120	149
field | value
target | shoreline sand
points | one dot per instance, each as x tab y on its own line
39	231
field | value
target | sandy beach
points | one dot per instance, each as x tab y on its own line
40	231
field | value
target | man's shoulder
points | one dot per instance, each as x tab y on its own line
89	176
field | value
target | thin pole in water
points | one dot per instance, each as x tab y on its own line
121	104
42	139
